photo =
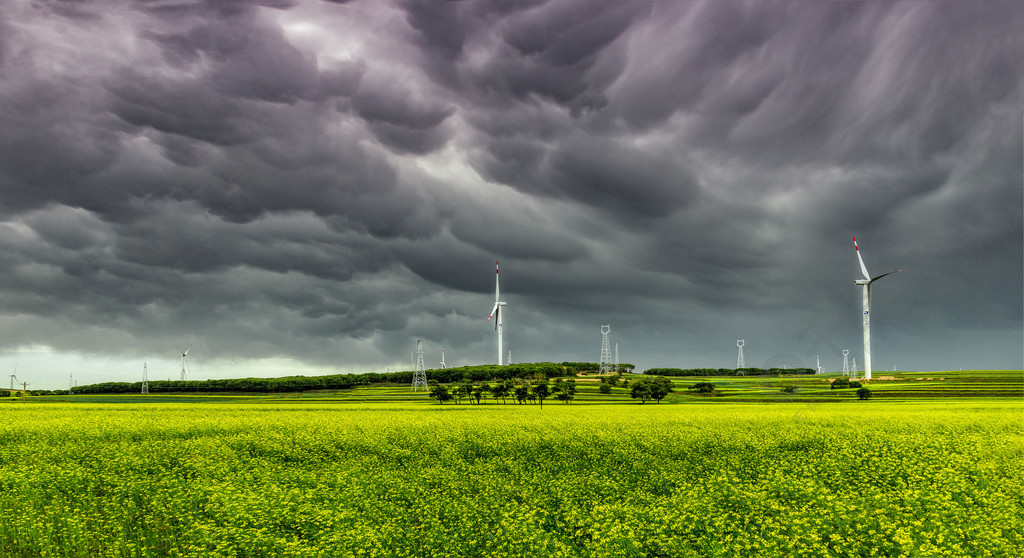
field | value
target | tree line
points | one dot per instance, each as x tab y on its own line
520	390
726	371
287	384
525	391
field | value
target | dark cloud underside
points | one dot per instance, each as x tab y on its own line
325	181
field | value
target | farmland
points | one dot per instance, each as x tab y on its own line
336	474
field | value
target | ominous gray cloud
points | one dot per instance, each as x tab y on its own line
306	186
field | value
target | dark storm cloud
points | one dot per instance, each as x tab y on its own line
400	120
328	180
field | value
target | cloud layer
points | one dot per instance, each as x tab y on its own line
325	182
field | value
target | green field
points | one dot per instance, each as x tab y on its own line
378	471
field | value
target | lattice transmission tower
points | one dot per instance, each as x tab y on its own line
853	369
606	350
740	361
145	378
846	362
419	376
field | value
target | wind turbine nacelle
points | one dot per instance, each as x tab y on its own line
862	282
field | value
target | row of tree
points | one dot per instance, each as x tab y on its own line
726	371
520	390
623	368
32	392
536	389
335	381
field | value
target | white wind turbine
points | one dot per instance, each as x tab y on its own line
443	365
496	312
866	283
183	355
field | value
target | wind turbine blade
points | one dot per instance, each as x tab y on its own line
884	274
497	294
186	351
497	317
863	268
493	311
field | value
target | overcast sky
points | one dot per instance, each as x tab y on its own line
308	187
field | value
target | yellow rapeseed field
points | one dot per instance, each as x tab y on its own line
208	479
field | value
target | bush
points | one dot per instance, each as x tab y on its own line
840	383
864	393
702	387
604	388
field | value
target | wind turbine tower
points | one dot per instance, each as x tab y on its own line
183	355
846	362
145	378
817	359
497	312
740	361
419	377
606	350
866	283
443	365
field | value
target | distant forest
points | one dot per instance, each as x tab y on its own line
339	381
726	371
481	373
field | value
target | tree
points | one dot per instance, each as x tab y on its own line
521	393
540	388
501	389
463	389
864	393
660	387
558	389
642	389
439	392
480	390
564	390
840	383
604	388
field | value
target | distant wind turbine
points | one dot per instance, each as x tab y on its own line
866	283
443	365
496	312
